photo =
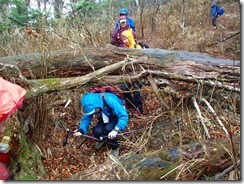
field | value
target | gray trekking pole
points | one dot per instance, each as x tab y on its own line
132	131
125	133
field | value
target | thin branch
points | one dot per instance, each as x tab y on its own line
215	115
232	167
170	76
156	91
200	116
225	38
14	67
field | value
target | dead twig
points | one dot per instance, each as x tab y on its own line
155	89
232	167
215	115
200	116
225	39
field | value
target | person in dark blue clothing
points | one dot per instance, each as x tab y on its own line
133	99
124	14
111	114
214	14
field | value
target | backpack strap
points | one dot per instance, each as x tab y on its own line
103	98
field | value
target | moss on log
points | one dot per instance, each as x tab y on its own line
190	162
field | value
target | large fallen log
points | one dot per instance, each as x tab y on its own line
37	87
67	63
190	162
68	69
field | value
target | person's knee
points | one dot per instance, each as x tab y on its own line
109	127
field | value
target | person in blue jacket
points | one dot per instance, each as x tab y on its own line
112	118
214	14
124	14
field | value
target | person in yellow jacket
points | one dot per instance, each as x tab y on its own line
128	39
134	99
11	98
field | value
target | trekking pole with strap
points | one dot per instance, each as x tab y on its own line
65	142
124	133
68	132
132	131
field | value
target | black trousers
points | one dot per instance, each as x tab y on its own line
214	20
103	129
134	99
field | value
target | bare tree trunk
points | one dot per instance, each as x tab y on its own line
137	5
66	69
154	18
141	19
183	16
58	8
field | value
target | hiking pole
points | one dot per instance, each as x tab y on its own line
91	137
124	133
130	132
66	139
68	132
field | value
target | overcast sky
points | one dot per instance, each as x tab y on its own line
33	5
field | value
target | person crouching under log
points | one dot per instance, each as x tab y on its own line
112	118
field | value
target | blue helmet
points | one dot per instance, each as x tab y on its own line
123	11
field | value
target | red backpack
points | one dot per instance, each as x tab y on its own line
110	89
4	172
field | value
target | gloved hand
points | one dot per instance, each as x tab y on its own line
112	134
78	133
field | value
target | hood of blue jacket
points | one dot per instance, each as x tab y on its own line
123	10
91	101
213	4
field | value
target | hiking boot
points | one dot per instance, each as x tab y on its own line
115	152
98	145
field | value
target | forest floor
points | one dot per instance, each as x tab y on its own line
61	162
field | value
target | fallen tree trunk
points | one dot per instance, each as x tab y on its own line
190	162
111	65
68	63
56	84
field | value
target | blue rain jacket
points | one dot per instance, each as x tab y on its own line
214	10
114	107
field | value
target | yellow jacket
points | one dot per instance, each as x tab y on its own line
127	34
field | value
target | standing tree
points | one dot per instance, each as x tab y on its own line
183	16
58	8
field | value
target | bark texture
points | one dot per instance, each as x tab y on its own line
67	69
